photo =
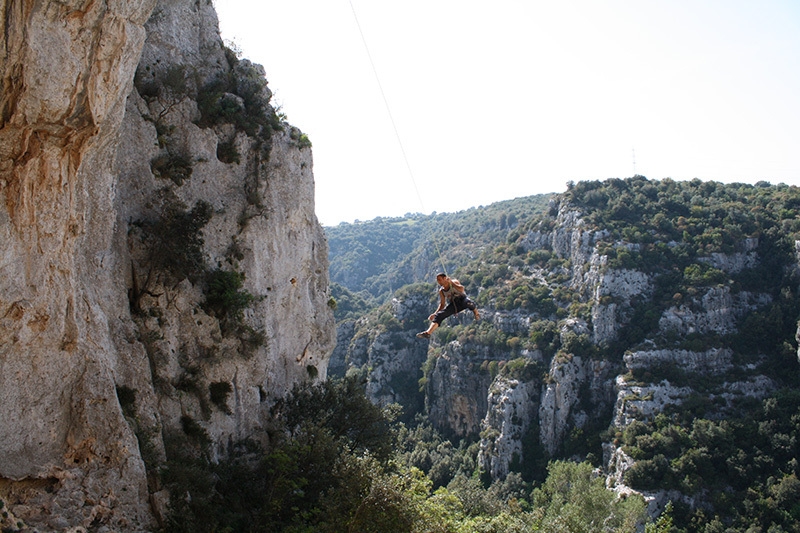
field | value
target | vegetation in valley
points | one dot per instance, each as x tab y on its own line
331	466
735	460
748	464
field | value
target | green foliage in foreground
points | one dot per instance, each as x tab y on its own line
331	468
573	499
336	463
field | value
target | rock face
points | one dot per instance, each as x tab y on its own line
101	353
511	410
456	392
717	313
384	346
574	392
67	70
579	391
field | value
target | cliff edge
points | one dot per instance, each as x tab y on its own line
163	272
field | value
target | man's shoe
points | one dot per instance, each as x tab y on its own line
424	335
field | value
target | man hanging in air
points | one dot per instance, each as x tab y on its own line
451	292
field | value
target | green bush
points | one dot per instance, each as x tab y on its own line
239	97
127	400
194	431
523	369
174	239
175	167
572	499
299	138
700	274
169	86
225	298
227	152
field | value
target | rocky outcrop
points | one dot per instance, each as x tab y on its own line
66	71
338	363
734	263
100	357
716	361
577	393
639	402
456	390
512	408
716	312
613	293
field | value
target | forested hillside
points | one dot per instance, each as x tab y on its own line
648	328
384	254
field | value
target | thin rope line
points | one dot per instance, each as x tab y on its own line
394	126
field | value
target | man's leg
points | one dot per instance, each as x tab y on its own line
437	320
469	304
427	333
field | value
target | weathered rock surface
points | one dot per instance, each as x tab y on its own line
717	312
715	361
512	407
88	382
456	391
564	405
67	68
620	287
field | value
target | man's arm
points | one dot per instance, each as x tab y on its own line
457	284
441	304
442	300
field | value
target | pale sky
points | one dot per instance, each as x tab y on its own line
508	98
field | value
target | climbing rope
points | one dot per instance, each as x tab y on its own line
394	127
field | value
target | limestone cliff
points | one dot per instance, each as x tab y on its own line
511	412
578	339
382	345
111	339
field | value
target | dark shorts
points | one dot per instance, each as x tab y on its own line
457	304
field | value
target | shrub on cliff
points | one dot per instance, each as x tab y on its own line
239	97
172	239
225	298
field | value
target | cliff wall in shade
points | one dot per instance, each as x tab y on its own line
145	178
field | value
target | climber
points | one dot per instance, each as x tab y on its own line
452	292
